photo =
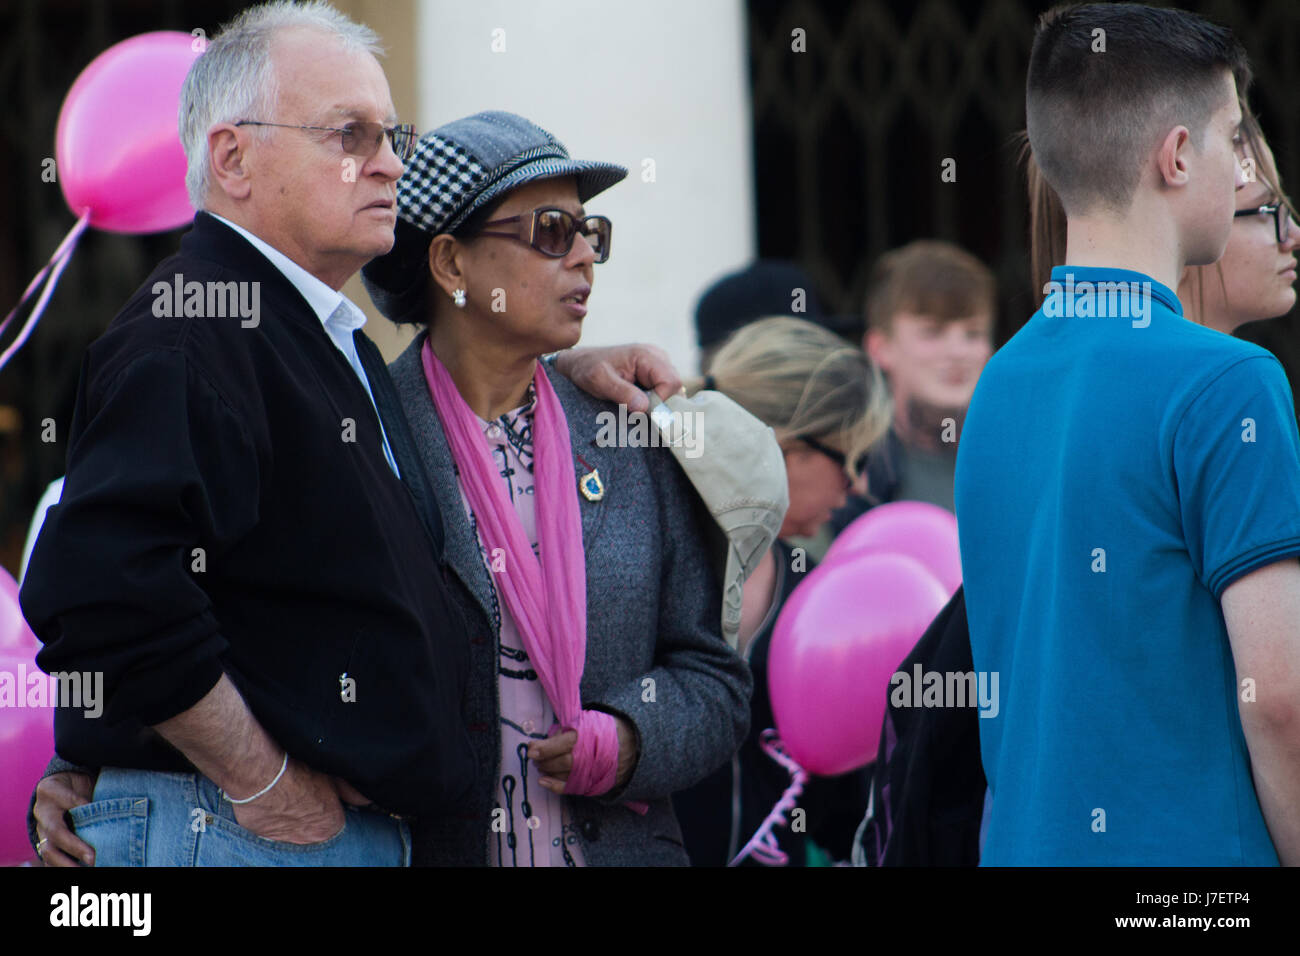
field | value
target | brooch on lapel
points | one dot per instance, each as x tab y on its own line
589	484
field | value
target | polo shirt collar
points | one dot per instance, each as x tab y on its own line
1159	291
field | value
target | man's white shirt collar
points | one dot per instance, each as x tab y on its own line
322	299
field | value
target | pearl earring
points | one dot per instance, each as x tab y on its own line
458	298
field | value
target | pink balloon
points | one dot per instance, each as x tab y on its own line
118	150
918	529
15	635
26	745
837	642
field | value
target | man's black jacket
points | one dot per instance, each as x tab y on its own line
228	507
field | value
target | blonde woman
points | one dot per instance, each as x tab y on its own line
828	404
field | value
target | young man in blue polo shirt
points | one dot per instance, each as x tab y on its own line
1128	486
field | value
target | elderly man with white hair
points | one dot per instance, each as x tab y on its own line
241	547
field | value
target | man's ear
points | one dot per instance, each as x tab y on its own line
877	345
1171	157
228	160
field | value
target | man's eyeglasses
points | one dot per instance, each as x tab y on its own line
1280	212
361	138
550	231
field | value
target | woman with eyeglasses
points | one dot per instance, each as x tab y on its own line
599	681
827	403
1255	277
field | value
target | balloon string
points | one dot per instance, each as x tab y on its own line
58	254
58	261
763	846
26	295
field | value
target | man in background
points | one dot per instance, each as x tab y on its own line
930	311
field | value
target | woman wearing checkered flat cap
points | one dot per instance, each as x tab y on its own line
599	681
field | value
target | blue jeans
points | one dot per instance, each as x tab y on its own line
148	818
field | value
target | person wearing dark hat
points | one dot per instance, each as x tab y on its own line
595	646
767	287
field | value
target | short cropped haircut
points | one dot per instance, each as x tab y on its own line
235	78
1093	114
929	277
1047	225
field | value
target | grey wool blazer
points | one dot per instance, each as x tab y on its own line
655	653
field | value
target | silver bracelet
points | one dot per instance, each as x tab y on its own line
265	790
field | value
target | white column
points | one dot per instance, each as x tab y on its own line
660	87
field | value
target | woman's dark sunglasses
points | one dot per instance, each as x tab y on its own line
1280	212
551	230
835	455
361	138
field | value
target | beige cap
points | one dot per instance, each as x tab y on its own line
735	464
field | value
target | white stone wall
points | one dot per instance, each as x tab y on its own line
625	81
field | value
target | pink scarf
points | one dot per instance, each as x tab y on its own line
548	599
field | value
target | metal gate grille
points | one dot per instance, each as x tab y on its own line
849	136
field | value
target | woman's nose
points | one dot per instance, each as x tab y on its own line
1292	237
582	249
